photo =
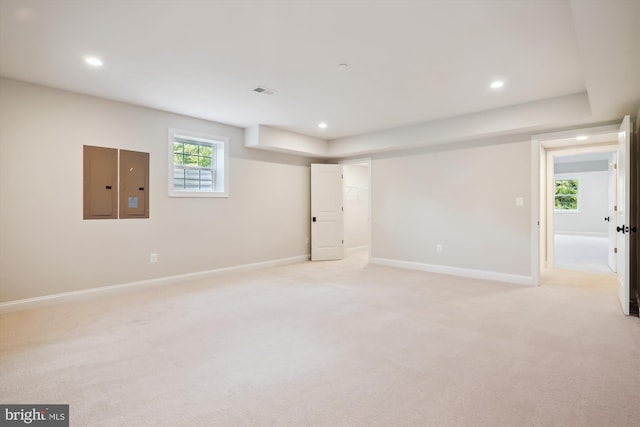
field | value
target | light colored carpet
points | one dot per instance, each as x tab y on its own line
331	344
582	253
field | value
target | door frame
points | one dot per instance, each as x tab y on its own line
540	145
367	161
549	178
612	199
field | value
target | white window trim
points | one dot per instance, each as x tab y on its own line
568	177
222	163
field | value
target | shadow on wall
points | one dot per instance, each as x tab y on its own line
356	205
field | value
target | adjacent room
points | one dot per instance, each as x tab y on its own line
319	213
582	214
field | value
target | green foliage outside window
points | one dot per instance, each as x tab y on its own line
192	154
193	166
566	194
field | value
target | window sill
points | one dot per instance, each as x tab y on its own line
195	194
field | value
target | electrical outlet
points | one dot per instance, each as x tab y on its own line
153	258
439	248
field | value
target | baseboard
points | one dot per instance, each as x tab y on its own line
357	248
456	271
583	233
48	300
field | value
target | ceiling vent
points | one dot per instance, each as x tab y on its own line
264	90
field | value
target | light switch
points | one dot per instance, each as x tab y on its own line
519	202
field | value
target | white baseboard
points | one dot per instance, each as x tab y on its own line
456	271
357	248
48	300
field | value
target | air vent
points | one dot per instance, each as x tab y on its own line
264	90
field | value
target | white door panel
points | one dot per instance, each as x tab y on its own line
327	233
622	214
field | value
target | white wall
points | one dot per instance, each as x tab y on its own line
499	123
45	245
462	199
356	205
273	139
593	187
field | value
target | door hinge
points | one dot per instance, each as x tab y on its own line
615	208
615	250
342	208
343	242
615	166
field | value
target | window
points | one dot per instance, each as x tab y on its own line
197	165
566	195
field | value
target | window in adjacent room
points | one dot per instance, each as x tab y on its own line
567	193
197	165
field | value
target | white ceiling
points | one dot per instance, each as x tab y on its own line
587	157
409	62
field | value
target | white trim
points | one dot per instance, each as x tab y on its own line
456	271
550	205
358	161
566	138
538	222
48	300
220	143
543	147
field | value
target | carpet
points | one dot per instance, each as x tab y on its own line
338	343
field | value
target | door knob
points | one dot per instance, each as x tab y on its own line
633	229
314	219
622	228
607	218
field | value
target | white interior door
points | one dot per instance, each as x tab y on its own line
327	230
622	214
611	214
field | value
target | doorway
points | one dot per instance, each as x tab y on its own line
570	157
584	185
357	207
623	217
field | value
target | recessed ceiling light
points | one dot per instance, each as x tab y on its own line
343	65
322	125
582	138
94	61
496	84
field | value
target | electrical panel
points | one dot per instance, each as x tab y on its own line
100	170
134	184
111	195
